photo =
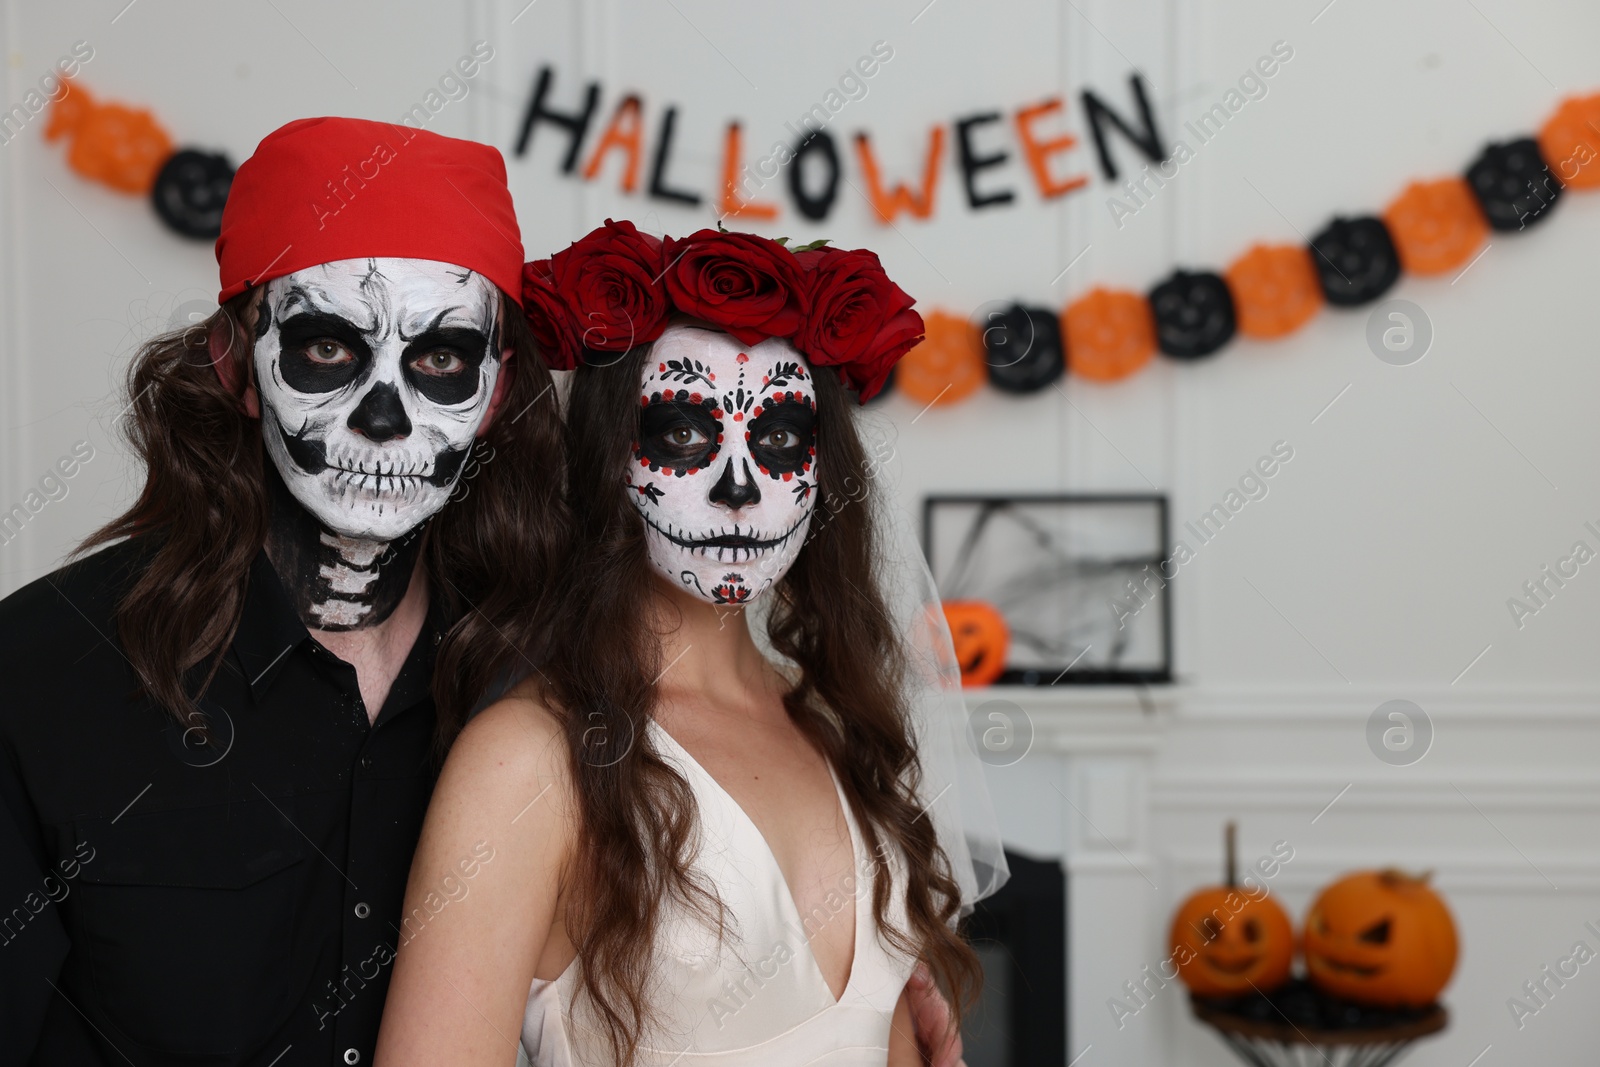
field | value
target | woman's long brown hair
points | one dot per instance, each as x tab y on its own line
492	553
637	814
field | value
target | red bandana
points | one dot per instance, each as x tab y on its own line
326	189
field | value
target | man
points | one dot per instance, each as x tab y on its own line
215	741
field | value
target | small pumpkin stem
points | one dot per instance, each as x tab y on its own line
1230	852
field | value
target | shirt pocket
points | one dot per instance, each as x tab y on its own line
186	923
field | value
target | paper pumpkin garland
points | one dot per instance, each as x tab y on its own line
190	190
122	147
1512	184
1110	335
1570	142
1433	227
127	149
1022	348
1356	260
1193	313
1436	226
946	366
1275	290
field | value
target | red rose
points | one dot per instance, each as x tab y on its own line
860	321
550	320
611	278
748	285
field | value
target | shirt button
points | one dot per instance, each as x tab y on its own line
351	1056
362	911
366	763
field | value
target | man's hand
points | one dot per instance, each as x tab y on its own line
930	1015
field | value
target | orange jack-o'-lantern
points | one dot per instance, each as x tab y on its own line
1109	334
1275	290
946	365
1436	226
1570	142
981	637
1227	942
1382	938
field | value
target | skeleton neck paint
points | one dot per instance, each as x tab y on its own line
374	376
336	582
725	461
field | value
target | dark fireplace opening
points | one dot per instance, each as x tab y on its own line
1020	935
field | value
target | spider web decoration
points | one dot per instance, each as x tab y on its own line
1062	571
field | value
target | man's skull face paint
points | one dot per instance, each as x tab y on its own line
375	375
724	468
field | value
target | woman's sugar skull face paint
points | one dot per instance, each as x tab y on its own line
724	468
375	375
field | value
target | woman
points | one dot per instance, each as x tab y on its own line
686	852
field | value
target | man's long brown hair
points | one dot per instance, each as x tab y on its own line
637	815
492	552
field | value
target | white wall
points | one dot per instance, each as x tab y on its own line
1381	562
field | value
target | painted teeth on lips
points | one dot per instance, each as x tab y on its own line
386	466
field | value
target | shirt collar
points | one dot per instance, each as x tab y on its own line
269	627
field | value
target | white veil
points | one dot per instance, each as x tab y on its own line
953	789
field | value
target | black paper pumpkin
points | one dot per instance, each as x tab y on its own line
1356	260
1022	348
190	190
1513	185
1194	314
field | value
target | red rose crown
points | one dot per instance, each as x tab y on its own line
617	287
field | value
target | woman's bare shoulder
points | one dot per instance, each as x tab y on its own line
516	743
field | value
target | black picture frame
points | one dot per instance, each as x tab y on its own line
1104	570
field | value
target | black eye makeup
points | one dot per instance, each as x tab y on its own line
442	364
678	435
321	353
783	437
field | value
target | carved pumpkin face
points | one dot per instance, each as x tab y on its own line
1512	184
1022	347
1381	938
1226	944
1193	313
981	637
1356	260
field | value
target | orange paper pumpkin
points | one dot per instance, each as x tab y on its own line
121	146
1381	938
1570	142
946	366
1436	226
1109	334
1275	290
981	637
1226	943
69	110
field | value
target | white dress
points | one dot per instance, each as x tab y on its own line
757	998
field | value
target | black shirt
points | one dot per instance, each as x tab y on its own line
168	902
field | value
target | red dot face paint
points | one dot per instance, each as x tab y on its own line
724	512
